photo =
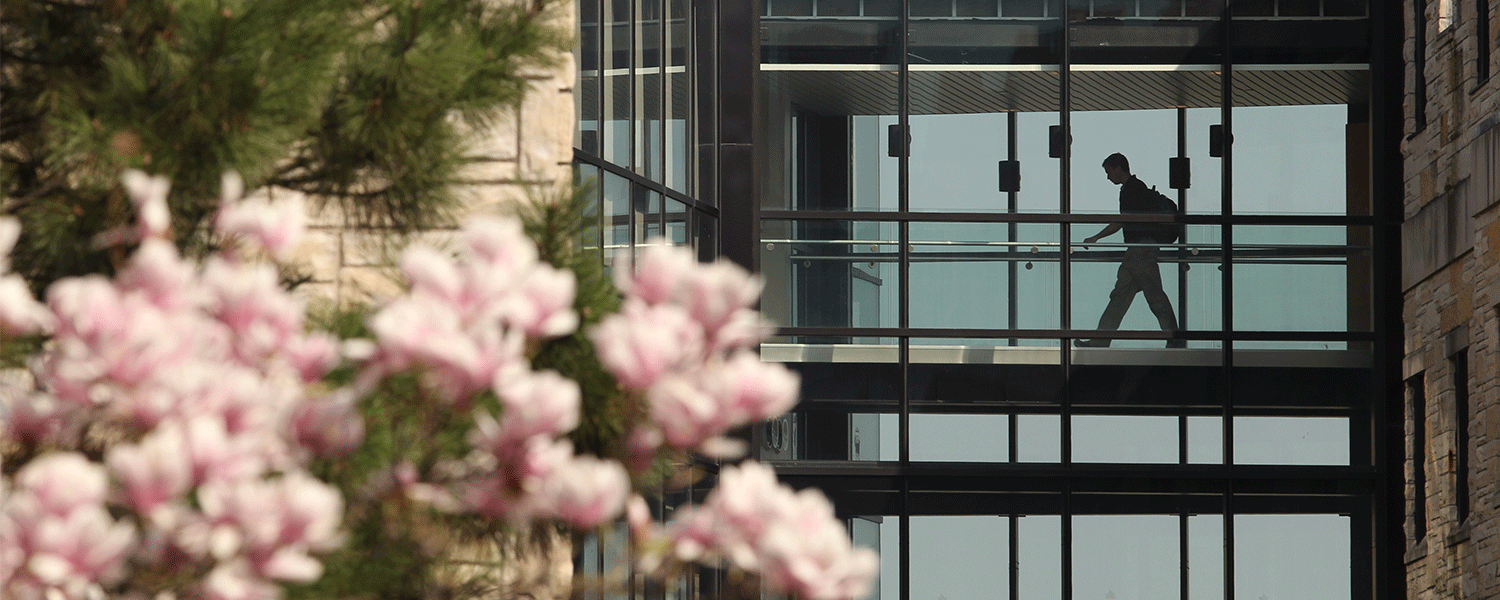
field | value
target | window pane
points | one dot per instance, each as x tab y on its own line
1301	158
1291	440
616	85
830	274
883	535
1040	557
960	437
960	557
1126	557
825	426
1302	278
1038	438
984	275
1206	557
1124	439
1205	440
1291	557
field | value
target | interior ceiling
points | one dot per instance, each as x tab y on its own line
981	91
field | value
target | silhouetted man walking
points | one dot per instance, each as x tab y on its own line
1139	271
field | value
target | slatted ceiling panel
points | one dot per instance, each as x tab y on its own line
970	92
1281	88
836	92
953	92
1108	90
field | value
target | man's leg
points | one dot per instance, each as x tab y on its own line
1147	273
1120	298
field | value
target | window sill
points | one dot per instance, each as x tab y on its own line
1416	132
1416	552
1479	86
1460	534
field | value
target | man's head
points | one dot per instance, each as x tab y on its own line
1117	168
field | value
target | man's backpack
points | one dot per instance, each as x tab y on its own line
1166	233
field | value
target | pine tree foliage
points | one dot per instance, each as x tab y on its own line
565	227
365	104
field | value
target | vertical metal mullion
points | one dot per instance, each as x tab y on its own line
632	50
1229	539
1226	244
1067	539
1065	206
904	555
1014	569
1182	198
1182	556
664	86
1065	65
903	250
689	123
1226	98
1014	446
1182	439
1011	207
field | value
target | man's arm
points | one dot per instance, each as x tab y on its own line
1106	232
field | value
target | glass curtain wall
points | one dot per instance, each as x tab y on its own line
1052	372
641	87
644	154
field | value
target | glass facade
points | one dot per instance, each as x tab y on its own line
1005	367
645	138
1011	385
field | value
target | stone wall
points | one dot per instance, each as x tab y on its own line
1451	275
529	151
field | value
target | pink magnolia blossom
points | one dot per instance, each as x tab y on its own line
658	275
153	472
538	404
62	483
274	524
331	426
499	244
585	491
421	330
435	274
148	194
642	343
235	581
750	390
792	538
717	291
276	227
156	270
10	232
509	475
56	538
33	417
543	308
807	551
249	300
20	313
685	413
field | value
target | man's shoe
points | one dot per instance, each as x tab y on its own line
1096	343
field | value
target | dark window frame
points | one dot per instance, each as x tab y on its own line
1481	35
1416	452
1460	456
1419	66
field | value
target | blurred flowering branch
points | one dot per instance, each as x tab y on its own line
182	433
